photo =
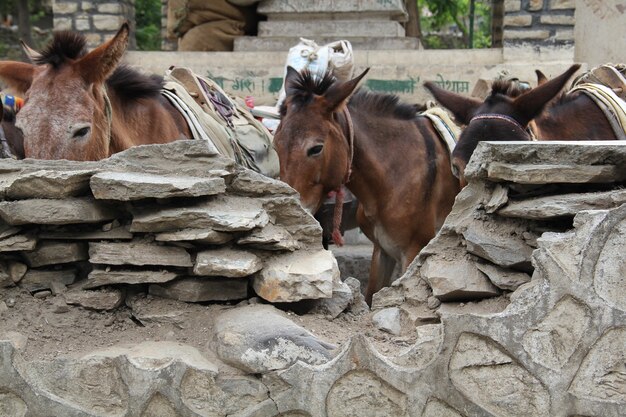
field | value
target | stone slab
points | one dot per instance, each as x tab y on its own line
557	173
100	277
270	237
562	205
47	183
37	280
54	211
312	28
18	242
283	43
128	186
226	262
210	237
362	7
51	253
137	253
226	214
196	290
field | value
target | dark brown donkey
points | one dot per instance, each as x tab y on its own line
83	106
388	156
506	113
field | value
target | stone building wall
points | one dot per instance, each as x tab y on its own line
99	20
539	22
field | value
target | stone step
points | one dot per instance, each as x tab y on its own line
284	43
337	28
392	8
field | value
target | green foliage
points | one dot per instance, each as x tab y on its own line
148	18
445	23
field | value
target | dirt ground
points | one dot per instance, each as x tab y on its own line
49	328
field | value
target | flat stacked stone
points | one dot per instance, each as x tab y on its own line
179	218
367	24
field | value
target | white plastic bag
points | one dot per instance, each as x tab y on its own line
317	59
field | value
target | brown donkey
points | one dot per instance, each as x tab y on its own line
81	105
506	113
388	156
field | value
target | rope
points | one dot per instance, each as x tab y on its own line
339	193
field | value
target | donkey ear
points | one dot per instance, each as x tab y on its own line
530	104
100	63
30	52
17	75
461	107
291	80
339	92
541	77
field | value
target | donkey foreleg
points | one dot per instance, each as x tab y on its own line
381	269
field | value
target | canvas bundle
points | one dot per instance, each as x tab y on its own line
221	120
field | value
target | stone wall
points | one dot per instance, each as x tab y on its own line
539	22
515	309
201	230
99	20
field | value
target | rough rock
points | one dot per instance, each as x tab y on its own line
102	299
388	320
149	309
426	348
297	276
202	289
358	305
260	338
456	279
128	186
226	262
249	182
116	233
270	237
16	271
507	251
37	280
51	253
20	242
388	297
503	278
338	303
137	253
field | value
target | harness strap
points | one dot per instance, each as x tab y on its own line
504	117
339	192
108	112
346	113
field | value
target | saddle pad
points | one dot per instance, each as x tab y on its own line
443	124
614	108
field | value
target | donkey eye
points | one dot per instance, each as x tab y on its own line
315	150
82	132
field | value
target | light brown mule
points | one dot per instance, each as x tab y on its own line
506	113
397	166
82	105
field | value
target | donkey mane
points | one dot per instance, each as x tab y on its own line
128	83
65	45
307	85
505	87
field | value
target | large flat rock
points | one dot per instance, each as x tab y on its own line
127	186
55	211
193	289
225	214
46	183
137	253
